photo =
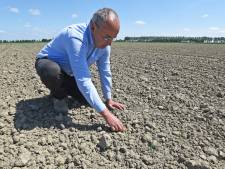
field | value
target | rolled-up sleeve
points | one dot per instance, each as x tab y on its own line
76	52
104	70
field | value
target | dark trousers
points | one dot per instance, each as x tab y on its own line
57	81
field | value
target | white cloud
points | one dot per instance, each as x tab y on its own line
213	28
140	22
204	15
186	29
222	31
34	12
13	9
74	15
2	31
27	25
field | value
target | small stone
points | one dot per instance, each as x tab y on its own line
111	155
220	94
63	145
123	150
105	142
99	129
176	133
151	125
196	164
118	157
15	139
24	157
94	139
144	78
212	159
1	125
12	110
147	129
210	151
59	160
62	126
71	166
147	160
174	73
203	157
42	141
203	106
160	107
147	138
222	154
1	150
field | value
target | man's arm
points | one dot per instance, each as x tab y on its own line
105	74
77	52
104	70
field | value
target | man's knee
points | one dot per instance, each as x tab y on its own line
49	72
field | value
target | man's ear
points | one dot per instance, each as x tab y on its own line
93	26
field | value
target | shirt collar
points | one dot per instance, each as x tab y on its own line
90	35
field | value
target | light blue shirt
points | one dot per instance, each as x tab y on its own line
73	49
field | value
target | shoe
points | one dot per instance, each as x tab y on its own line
60	106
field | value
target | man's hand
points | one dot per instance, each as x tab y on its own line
114	105
113	121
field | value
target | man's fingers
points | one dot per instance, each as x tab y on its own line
118	106
113	128
111	106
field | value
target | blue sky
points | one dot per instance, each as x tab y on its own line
37	19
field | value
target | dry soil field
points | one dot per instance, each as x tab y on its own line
175	115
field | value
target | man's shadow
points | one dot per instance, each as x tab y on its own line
39	113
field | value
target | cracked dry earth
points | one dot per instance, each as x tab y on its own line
175	115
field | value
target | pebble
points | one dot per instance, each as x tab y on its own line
63	145
160	107
176	133
94	139
42	141
16	139
212	159
220	94
123	150
119	157
210	151
146	159
99	129
105	142
62	126
71	166
1	150
147	138
24	157
203	106
222	155
1	125
111	155
202	156
196	164
59	160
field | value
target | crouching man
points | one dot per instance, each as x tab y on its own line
63	65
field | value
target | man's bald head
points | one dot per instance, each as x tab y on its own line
105	16
105	26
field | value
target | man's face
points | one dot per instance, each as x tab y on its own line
105	34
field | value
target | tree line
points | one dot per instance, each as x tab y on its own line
24	41
175	39
178	39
